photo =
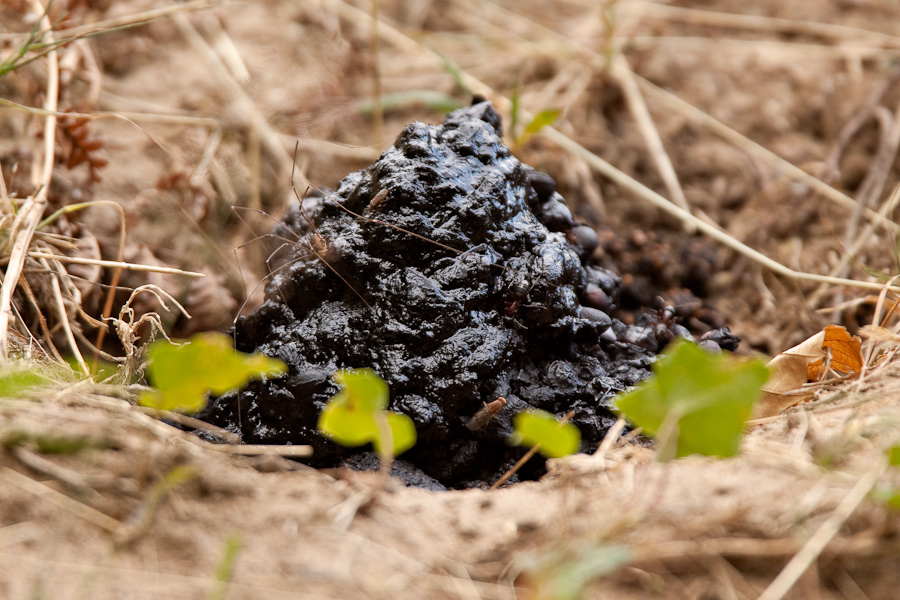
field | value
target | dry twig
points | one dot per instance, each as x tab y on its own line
31	212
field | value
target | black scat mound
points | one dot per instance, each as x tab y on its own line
465	296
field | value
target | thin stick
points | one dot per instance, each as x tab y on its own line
128	117
231	438
767	24
262	450
787	50
638	108
26	221
114	282
64	318
73	480
531	452
611	437
113	263
782	584
42	321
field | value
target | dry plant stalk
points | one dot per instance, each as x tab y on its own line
31	212
814	546
626	78
840	33
399	39
268	135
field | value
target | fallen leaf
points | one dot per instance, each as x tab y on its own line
846	355
806	362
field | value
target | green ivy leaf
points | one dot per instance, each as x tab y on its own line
356	415
540	427
696	402
403	434
207	363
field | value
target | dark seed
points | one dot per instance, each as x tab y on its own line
543	185
597	316
555	215
597	298
584	239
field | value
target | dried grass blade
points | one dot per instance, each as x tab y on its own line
113	264
638	108
26	221
813	547
391	35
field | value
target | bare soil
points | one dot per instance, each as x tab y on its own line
215	101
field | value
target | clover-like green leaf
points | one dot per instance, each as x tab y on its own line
184	373
696	402
556	439
356	415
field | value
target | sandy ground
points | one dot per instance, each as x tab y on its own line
216	100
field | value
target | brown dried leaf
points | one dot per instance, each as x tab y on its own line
804	362
789	372
846	354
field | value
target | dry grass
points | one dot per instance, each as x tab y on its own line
671	118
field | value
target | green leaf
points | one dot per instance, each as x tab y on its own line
894	456
563	574
356	415
183	374
696	402
403	434
887	495
16	382
362	389
540	120
540	427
